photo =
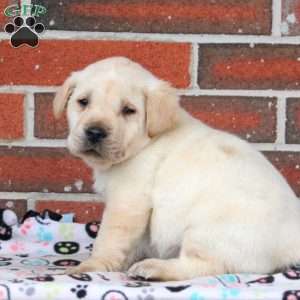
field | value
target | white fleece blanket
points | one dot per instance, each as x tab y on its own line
33	260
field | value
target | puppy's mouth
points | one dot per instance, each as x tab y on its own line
103	155
91	153
101	152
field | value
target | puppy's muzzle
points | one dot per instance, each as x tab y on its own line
95	135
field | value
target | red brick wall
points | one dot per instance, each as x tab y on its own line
236	63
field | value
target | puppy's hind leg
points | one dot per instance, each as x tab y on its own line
189	264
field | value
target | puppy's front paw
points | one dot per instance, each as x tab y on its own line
149	269
89	265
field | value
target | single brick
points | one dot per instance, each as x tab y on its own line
42	170
45	125
292	133
52	61
249	67
290	17
166	16
19	206
84	211
12	116
288	163
251	118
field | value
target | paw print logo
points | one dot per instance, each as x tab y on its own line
24	31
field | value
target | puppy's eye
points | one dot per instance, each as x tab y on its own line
83	102
127	110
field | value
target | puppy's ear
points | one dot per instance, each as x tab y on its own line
62	96
162	108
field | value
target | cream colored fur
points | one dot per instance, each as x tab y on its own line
183	199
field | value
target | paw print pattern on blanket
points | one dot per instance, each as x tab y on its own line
81	277
89	247
263	280
136	284
32	274
178	288
80	291
92	229
291	295
66	263
5	261
66	247
42	278
4	292
147	294
292	273
27	289
35	262
5	232
115	294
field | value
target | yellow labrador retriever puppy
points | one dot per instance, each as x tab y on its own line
183	199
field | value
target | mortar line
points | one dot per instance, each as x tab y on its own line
276	147
281	119
189	91
51	143
276	18
165	37
15	89
34	142
194	66
30	204
50	196
238	92
29	116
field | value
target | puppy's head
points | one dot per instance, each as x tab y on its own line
114	108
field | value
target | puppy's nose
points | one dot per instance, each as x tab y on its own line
95	134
